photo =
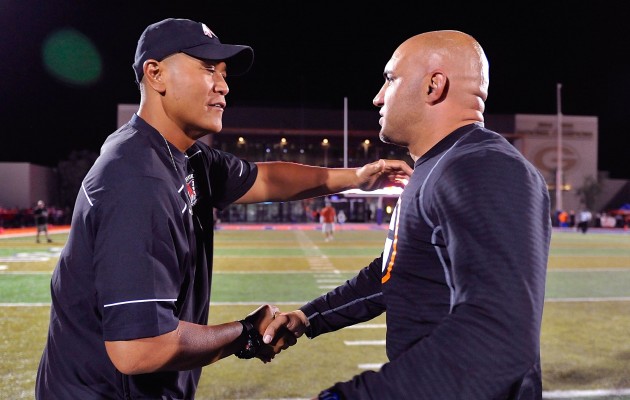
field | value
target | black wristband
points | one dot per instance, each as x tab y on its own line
253	341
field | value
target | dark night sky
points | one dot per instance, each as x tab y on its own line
313	54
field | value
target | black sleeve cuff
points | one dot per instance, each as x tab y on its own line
330	394
309	310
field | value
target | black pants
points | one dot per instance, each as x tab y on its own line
583	226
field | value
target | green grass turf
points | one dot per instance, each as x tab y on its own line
584	343
592	283
23	338
296	286
25	288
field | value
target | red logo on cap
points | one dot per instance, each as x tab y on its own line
208	32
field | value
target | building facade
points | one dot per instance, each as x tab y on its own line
335	138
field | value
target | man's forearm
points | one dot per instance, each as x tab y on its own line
187	347
193	346
284	181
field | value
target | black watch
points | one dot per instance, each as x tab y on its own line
253	341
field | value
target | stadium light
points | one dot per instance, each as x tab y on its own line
325	145
366	146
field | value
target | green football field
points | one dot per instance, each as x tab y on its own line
586	323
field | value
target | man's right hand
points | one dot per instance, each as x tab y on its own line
282	338
293	323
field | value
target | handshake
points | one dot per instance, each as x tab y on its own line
267	331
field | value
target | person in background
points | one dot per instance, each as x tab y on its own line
41	221
341	217
216	218
130	293
584	220
563	219
462	289
328	216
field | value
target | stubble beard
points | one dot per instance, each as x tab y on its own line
383	137
386	139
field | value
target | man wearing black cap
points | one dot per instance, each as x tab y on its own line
130	292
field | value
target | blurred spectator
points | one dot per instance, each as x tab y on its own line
563	219
328	216
607	221
341	217
41	220
584	220
216	218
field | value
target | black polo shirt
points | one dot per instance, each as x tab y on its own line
137	261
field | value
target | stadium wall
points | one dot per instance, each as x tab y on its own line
23	184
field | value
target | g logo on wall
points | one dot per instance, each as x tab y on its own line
545	158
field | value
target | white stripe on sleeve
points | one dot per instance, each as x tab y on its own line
137	301
86	195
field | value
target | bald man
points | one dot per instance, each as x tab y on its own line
462	274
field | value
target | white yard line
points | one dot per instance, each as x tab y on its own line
364	342
316	260
367	326
571	394
374	366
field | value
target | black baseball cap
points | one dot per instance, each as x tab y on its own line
175	35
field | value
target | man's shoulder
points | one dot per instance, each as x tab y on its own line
125	136
485	145
126	156
480	135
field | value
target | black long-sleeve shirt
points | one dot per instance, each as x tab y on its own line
461	278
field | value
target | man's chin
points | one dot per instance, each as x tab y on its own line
386	139
207	130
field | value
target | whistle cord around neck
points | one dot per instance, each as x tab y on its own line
170	153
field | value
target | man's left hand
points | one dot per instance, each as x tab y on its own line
382	173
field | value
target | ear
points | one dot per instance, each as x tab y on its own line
437	87
153	75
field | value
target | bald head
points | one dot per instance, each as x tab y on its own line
435	82
458	54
